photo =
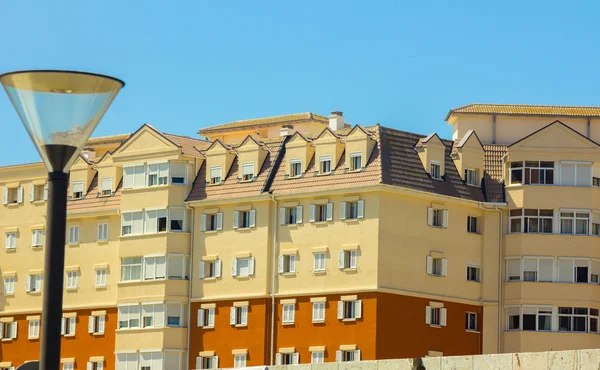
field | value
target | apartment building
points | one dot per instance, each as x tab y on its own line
305	239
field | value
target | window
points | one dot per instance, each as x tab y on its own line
471	176
134	177
248	171
11	240
287	264
317	357
13	195
596	229
96	324
158	174
593	323
435	316
574	223
68	366
575	174
286	358
33	283
573	319
127	361
38	193
216	175
177	218
102	232
575	271
320	261
177	267
156	221
471	320
348	259
473	273
318	312
153	315
9	285
8	330
532	221
68	326
242	267
95	365
72	279
178	170
436	170
77	192
175	314
513	318
244	219
101	278
155	268
33	330
36	238
287	313
349	310
207	362
535	172
106	187
325	164
437	266
129	317
131	268
347	356
132	223
352	210
238	316
239	361
355	161
437	217
73	234
290	215
295	168
472	224
211	222
321	212
210	269
152	361
530	269
206	318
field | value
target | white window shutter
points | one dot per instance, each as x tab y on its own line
1	330
358	309
101	320
442	316
20	194
353	259
220	221
280	261
429	264
63	326
218	268
339	356
210	322
282	216
201	267
33	238
234	267
198	363
90	366
28	283
13	332
31	193
5	196
295	358
357	355
445	218
342	210
311	216
236	219
292	263
342	259
45	191
251	266
429	216
216	362
361	209
252	218
244	313
299	214
340	310
427	315
278	359
91	324
200	317
444	267
72	325
329	211
203	222
232	315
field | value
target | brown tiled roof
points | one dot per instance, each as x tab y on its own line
92	202
231	187
492	172
528	110
107	139
266	121
189	146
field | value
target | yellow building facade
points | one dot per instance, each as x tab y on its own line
304	239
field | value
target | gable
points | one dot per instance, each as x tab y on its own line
326	135
471	141
79	163
555	137
145	141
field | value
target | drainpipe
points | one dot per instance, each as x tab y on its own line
191	277
589	128
273	277
494	130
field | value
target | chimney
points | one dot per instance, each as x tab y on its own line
336	121
286	130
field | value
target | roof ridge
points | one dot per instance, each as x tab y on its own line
530	105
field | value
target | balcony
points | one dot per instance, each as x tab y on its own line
552	197
157	243
546	293
155	338
558	245
154	196
133	291
536	341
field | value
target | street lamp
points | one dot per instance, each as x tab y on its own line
60	110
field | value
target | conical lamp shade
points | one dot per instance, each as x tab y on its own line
60	110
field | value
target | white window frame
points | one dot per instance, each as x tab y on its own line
130	313
248	171
131	266
352	210
287	264
471	177
472	227
33	329
321	213
213	179
11	240
588	182
288	311
68	326
102	231
239	361
33	284
172	171
101	277
435	170
138	171
353	159
477	273
72	280
322	167
76	186
74	232
468	317
235	269
318	312
245	219
436	315
578	215
238	316
106	186
295	164
349	310
290	215
211	222
525	220
436	266
135	217
317	357
210	269
319	261
348	259
37	237
9	285
206	318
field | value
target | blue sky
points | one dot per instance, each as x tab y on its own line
190	64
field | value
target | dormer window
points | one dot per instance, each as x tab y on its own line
355	161
77	189
106	187
325	164
216	175
295	168
471	176
158	174
248	171
436	170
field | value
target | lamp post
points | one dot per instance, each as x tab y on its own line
60	110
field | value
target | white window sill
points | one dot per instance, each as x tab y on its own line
11	250
6	339
293	177
209	278
435	326
349	269
69	335
12	205
473	233
72	289
9	294
36	246
215	184
150	235
319	322
351	220
242	277
437	227
356	170
473	281
73	244
41	201
287	323
473	331
294	226
243	228
208	327
101	287
104	241
317	223
241	325
34	293
288	274
245	181
348	320
437	179
33	338
210	231
153	187
323	174
473	185
436	275
320	272
97	334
